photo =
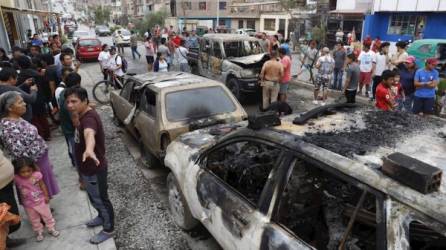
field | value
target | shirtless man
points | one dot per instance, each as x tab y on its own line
270	76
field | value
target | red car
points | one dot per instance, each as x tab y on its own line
88	48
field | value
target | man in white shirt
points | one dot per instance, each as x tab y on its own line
382	63
325	65
181	56
103	58
367	64
115	62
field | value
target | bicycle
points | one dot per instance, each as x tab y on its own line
101	90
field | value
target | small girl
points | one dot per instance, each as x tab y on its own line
34	196
398	92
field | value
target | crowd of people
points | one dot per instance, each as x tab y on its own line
393	82
39	92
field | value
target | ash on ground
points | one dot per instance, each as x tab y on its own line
142	222
382	129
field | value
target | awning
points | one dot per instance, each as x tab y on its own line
29	11
348	12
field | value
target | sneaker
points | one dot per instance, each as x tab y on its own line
315	102
39	237
101	237
54	233
98	221
323	103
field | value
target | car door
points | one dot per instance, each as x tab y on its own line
146	120
121	100
233	184
216	60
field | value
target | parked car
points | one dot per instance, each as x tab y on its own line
427	48
79	34
88	48
235	60
157	107
125	34
102	30
299	186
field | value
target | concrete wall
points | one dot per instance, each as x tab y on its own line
409	5
377	25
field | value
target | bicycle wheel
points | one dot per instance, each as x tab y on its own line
101	91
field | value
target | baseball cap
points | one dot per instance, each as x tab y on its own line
410	59
432	61
326	50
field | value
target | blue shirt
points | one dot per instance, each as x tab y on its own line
36	42
423	76
407	79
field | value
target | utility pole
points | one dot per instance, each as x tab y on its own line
218	15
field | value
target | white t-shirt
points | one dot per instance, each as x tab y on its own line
162	67
366	59
103	58
113	63
381	64
59	91
181	55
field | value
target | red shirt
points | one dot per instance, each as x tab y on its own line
384	98
176	40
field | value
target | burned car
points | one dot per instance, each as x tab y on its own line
157	107
318	185
235	60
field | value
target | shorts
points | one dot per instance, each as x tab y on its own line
150	59
423	105
283	88
321	81
365	78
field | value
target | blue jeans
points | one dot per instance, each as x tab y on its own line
135	51
408	103
97	190
70	144
337	79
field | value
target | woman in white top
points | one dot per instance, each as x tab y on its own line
160	63
103	58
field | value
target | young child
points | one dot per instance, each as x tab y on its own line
34	197
398	91
384	96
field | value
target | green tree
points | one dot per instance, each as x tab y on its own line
150	20
101	15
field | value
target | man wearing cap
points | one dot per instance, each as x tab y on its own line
367	65
407	75
325	64
426	80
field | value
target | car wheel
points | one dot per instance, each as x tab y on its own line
148	159
178	206
234	87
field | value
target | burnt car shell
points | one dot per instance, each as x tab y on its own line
399	206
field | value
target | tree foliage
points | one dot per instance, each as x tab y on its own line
101	15
150	20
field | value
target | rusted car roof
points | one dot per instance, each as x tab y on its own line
229	37
162	80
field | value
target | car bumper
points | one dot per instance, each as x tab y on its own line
88	55
249	85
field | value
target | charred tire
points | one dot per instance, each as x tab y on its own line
178	207
234	87
148	160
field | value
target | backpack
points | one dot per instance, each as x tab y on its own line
124	65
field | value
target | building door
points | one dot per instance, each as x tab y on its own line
240	24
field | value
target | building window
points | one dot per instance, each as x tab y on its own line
251	24
270	24
240	24
221	22
186	5
202	5
405	24
222	5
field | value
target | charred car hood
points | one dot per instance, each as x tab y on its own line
247	60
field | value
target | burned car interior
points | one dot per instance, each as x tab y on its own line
316	204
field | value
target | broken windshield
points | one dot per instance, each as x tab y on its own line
197	103
242	48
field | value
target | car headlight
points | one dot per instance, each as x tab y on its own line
246	73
